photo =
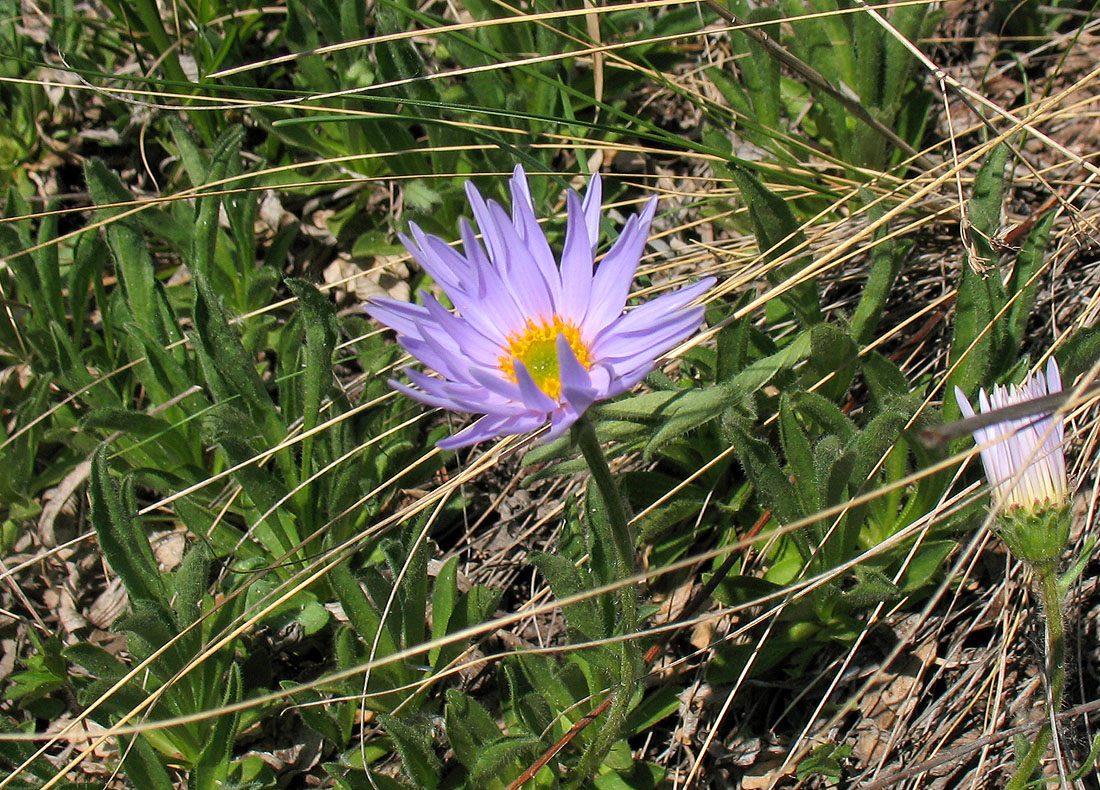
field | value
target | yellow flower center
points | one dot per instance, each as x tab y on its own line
536	347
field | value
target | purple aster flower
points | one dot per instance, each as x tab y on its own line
531	341
1023	458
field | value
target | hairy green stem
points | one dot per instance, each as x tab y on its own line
584	433
1052	596
612	726
1025	768
1050	591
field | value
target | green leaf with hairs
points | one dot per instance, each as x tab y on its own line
189	584
921	569
128	421
778	235
1079	353
692	408
359	610
583	617
230	371
315	715
159	370
883	378
444	599
1022	288
100	663
46	259
144	767
121	538
978	339
131	256
506	751
320	335
470	727
414	744
207	208
472	608
831	363
985	209
800	456
887	257
823	413
212	768
772	484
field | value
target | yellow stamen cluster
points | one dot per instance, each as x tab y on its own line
536	347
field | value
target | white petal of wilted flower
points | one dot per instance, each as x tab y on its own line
531	341
1023	458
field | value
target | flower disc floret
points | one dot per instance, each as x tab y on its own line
531	341
536	346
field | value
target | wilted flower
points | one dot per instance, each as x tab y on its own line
1023	457
531	341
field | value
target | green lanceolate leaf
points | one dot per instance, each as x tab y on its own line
121	538
128	421
979	340
757	96
321	331
886	261
277	530
190	154
762	467
144	767
414	744
95	659
800	456
972	345
831	361
823	413
688	409
880	435
322	719
47	263
150	628
444	599
359	610
599	536
212	768
733	349
884	379
66	359
205	234
1023	285
497	756
230	370
131	256
414	588
1080	352
921	569
833	462
473	607
567	580
777	234
469	726
189	584
985	209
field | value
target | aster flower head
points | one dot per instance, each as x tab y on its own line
1023	458
1026	468
529	341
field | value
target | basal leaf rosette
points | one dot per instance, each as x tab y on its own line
1025	464
530	341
